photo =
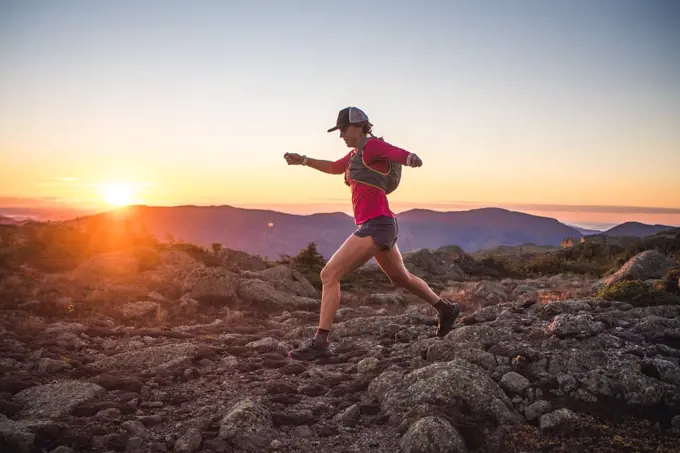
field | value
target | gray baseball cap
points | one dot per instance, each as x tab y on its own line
350	115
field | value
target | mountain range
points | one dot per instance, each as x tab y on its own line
271	233
8	221
636	229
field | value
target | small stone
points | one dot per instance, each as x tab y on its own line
229	362
367	365
190	373
348	417
275	444
535	410
557	418
110	413
304	431
134	428
189	442
514	383
150	420
63	449
268	344
134	444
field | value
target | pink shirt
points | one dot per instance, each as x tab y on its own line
368	201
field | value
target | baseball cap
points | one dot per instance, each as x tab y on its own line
350	115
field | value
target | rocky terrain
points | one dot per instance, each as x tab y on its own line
117	356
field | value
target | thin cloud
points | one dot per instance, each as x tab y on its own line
63	179
58	181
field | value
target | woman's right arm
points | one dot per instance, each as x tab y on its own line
325	166
331	167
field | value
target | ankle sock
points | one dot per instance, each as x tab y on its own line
321	335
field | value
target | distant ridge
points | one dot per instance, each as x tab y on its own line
271	233
636	229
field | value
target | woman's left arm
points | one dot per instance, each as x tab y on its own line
379	149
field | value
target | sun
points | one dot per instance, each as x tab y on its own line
117	194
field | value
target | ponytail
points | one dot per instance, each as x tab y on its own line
367	129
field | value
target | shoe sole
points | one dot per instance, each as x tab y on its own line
308	359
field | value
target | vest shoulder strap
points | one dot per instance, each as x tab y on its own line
362	143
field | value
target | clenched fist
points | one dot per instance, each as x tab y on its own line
293	158
413	160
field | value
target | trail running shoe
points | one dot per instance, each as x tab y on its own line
447	318
310	350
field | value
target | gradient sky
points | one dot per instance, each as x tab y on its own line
522	103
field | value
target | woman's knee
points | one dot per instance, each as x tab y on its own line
329	276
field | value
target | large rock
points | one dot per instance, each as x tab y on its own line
189	442
450	383
646	265
247	425
447	350
560	417
261	292
665	370
432	435
424	262
559	307
210	282
480	336
238	260
580	326
383	383
287	279
367	326
57	399
489	293
638	388
141	309
150	357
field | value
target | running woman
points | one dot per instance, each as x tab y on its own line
372	169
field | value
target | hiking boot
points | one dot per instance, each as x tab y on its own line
447	317
310	350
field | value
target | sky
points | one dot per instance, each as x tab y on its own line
567	108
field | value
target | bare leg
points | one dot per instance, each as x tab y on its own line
392	264
352	254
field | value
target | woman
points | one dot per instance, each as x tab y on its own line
372	170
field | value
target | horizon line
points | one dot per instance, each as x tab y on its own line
32	213
14	202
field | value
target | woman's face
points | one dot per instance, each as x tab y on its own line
351	135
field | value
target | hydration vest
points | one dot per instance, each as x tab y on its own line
358	171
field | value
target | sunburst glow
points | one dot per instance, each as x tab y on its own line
117	194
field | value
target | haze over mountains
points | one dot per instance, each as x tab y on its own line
271	233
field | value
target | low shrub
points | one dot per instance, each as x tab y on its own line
637	293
